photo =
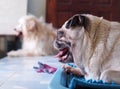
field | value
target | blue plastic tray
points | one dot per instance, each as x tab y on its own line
61	80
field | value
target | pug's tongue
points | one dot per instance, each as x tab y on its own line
62	55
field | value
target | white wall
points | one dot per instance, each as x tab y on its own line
37	7
10	12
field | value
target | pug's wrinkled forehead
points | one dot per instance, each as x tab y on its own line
76	21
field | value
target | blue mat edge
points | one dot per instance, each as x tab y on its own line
55	82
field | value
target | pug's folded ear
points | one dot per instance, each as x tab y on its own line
76	21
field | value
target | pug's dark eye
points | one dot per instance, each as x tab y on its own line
60	34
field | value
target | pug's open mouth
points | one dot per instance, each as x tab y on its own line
64	55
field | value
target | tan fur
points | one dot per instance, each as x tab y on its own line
96	48
38	37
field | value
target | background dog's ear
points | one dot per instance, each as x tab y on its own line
31	24
77	20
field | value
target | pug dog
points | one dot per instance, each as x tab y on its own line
94	44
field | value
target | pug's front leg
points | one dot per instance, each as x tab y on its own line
93	72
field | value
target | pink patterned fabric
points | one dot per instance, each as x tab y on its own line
45	68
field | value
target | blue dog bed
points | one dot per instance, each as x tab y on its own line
61	80
80	82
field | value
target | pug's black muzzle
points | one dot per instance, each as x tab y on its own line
61	44
65	54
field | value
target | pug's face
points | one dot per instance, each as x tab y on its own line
68	36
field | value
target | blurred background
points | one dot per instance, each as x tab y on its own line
10	12
54	11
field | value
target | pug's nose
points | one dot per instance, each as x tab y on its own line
58	44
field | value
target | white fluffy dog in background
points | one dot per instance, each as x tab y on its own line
38	37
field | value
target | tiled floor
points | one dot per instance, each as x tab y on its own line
18	73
